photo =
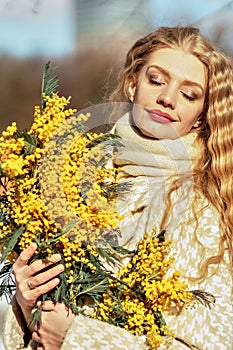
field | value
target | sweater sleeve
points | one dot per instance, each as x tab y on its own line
86	333
15	332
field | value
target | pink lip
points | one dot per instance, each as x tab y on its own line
160	117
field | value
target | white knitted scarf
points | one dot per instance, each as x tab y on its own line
150	157
149	164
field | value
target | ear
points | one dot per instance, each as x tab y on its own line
198	121
131	90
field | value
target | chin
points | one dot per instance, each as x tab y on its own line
146	133
173	136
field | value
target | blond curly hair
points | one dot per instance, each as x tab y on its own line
212	172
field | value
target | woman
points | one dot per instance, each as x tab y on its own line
179	155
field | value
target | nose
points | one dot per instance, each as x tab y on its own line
167	97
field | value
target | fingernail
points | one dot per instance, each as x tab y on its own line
57	257
34	245
61	267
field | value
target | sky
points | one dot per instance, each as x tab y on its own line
46	27
172	12
31	27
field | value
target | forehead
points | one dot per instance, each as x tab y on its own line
178	64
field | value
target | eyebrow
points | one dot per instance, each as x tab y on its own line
185	82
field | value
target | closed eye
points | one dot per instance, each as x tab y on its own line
154	81
189	97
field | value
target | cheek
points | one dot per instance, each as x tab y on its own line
143	93
192	113
137	97
201	108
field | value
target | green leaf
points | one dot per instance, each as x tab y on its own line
56	237
160	320
111	191
30	140
107	139
161	236
106	254
94	289
36	316
122	251
49	83
115	246
13	241
204	298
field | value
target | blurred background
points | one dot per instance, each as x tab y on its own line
86	40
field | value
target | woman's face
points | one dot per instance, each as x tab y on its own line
168	94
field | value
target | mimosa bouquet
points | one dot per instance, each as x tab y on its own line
58	189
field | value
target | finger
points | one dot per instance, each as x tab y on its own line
33	294
45	276
40	347
30	296
36	337
25	256
47	305
60	307
39	265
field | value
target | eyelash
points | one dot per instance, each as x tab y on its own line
153	81
189	98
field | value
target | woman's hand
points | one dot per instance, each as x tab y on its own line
55	321
32	281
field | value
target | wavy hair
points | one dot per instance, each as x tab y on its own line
212	172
